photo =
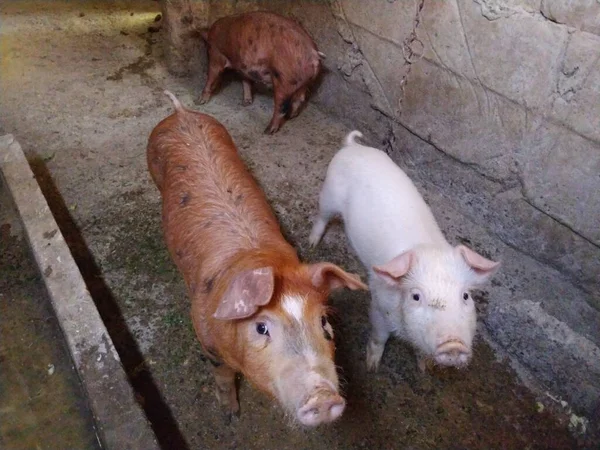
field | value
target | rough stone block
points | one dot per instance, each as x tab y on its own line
180	17
577	93
387	62
394	19
560	176
581	14
463	119
502	9
444	43
516	57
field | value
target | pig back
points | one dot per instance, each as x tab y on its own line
265	40
213	210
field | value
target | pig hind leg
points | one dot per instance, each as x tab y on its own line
217	63
297	101
247	85
327	209
379	335
226	390
281	109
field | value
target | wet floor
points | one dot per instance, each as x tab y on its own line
82	89
42	405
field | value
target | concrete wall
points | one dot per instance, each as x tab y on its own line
499	102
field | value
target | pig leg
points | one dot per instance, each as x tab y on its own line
423	362
379	336
327	209
318	229
297	102
281	108
217	64
226	391
247	84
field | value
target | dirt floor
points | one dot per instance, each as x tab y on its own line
81	90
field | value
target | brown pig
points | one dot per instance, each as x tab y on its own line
267	48
255	307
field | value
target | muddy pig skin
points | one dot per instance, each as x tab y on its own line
255	307
267	48
419	283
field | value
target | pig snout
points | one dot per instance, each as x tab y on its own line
324	405
452	352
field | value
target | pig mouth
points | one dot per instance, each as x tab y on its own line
323	405
452	353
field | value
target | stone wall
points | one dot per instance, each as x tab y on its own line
499	100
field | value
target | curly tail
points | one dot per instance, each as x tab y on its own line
351	138
178	106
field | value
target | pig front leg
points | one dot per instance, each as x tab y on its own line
247	85
423	362
226	390
379	336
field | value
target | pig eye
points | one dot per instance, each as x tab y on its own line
416	294
261	328
466	296
323	321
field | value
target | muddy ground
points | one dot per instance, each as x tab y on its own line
81	90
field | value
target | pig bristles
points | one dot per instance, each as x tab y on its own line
342	380
178	106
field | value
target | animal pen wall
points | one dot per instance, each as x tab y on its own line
498	103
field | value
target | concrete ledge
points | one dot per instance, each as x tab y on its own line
119	419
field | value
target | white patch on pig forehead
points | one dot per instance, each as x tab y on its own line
294	306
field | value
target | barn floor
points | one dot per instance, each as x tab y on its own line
81	91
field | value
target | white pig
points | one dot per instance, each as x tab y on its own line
419	283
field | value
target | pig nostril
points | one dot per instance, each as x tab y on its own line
452	353
324	411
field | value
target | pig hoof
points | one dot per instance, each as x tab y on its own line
246	102
271	129
231	416
201	100
372	366
317	232
424	364
374	353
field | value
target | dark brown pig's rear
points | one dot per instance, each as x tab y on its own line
255	308
267	48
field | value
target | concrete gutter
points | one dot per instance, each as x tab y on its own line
119	419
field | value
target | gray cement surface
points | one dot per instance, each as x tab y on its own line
119	419
81	90
40	391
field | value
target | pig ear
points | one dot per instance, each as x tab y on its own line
249	290
482	267
391	272
329	276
